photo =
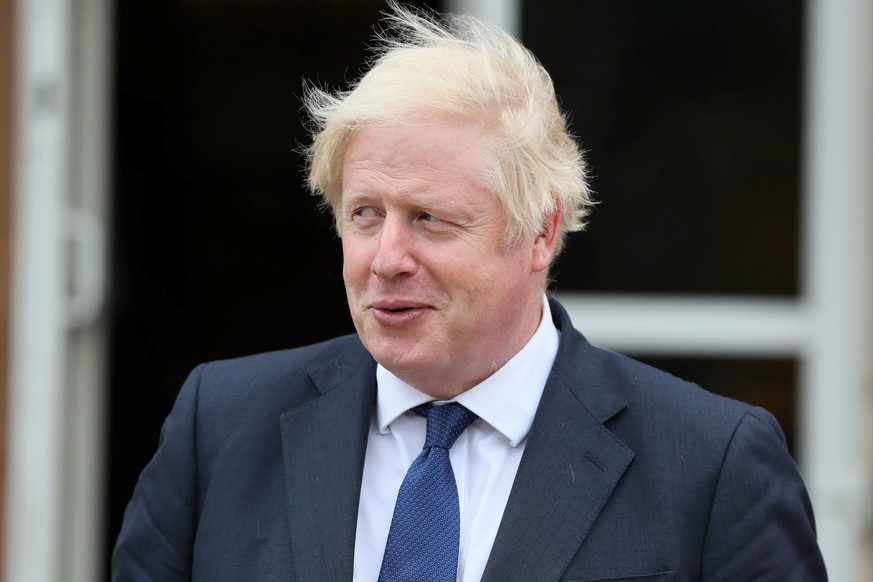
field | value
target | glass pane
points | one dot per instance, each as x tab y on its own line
690	112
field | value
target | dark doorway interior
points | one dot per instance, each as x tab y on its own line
218	249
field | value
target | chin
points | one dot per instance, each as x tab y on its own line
405	363
401	362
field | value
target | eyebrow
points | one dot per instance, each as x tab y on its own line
418	198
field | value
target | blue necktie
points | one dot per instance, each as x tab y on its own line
425	530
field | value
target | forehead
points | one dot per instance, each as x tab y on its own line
445	150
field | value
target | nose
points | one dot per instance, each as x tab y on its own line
395	255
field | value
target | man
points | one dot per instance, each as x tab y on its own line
453	182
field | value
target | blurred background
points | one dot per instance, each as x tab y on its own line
153	216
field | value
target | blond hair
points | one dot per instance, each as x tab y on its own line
460	65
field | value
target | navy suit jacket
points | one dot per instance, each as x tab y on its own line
628	474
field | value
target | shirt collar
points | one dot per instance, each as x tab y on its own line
507	400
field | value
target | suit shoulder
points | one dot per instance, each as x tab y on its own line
606	382
288	361
280	378
657	398
649	383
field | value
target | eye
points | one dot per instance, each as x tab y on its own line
426	217
365	212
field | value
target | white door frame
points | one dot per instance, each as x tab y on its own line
54	497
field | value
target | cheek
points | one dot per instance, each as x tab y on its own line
501	270
355	261
508	282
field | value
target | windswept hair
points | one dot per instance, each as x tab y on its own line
424	66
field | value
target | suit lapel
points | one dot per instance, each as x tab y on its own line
570	467
323	444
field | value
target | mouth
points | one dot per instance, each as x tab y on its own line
398	312
398	305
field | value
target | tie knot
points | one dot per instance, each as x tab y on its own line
445	423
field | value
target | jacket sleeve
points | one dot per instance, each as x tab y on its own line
761	525
157	533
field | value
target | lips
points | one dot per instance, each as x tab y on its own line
398	312
398	304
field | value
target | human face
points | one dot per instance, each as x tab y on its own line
436	296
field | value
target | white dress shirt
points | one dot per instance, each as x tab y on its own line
485	457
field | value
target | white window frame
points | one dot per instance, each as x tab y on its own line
829	328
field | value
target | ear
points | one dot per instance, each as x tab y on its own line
546	242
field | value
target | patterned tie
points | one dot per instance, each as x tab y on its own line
425	530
